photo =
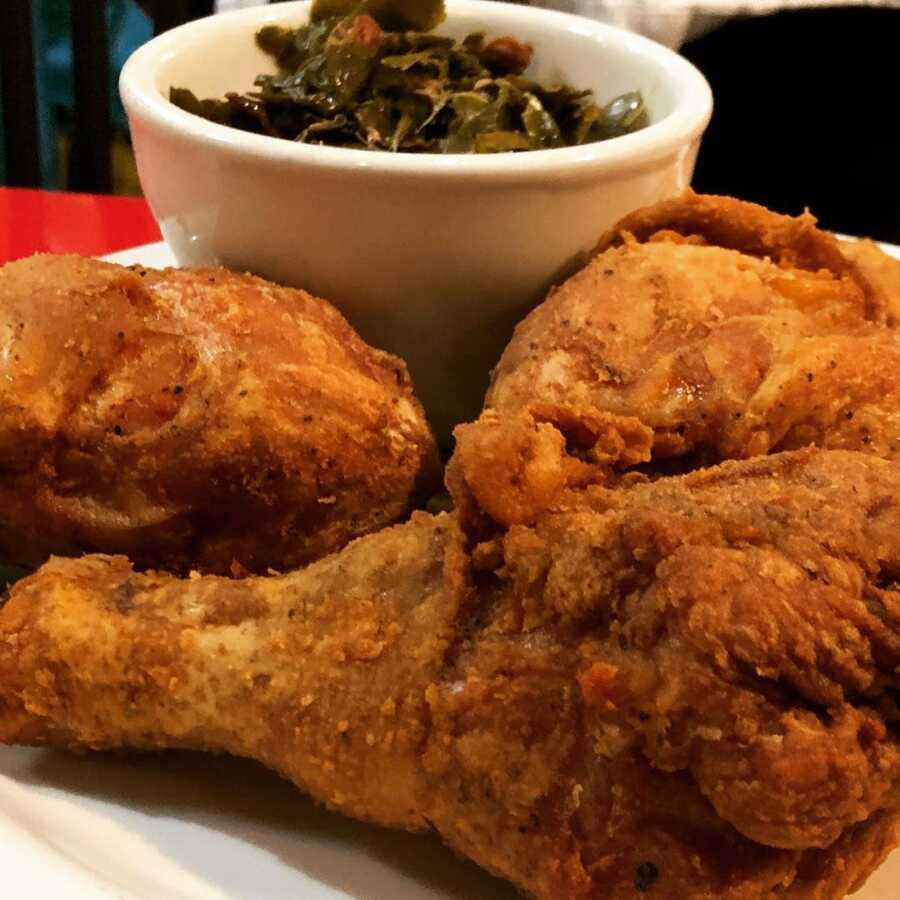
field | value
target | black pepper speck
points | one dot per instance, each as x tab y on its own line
645	876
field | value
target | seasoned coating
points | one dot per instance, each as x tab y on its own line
773	340
194	418
511	469
882	273
684	688
791	242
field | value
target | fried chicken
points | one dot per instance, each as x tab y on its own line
685	688
593	680
720	329
753	230
881	272
194	419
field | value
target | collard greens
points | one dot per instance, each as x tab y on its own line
369	75
393	15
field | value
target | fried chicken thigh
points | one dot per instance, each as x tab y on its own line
194	418
704	329
684	688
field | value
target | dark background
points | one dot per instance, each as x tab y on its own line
806	115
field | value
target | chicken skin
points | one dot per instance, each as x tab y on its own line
718	330
791	242
682	688
194	419
881	272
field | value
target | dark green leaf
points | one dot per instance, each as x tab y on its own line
589	118
419	58
502	142
475	113
214	110
275	40
540	126
325	10
338	123
396	15
349	65
376	123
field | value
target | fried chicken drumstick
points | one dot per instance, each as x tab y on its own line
685	688
194	418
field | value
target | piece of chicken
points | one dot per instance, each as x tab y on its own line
791	242
686	688
194	418
882	272
718	330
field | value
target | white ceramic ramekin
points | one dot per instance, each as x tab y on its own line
431	257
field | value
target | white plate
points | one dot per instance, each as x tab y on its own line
159	255
183	827
154	256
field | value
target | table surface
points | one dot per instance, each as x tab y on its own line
51	222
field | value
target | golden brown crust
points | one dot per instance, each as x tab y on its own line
734	224
512	469
191	418
704	610
842	869
645	689
723	354
751	229
881	272
321	674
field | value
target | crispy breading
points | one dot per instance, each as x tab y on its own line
194	418
751	229
791	242
511	469
882	272
725	329
686	686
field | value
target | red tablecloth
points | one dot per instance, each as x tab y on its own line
46	221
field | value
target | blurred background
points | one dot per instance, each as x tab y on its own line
805	96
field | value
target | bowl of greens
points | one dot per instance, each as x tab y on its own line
431	170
